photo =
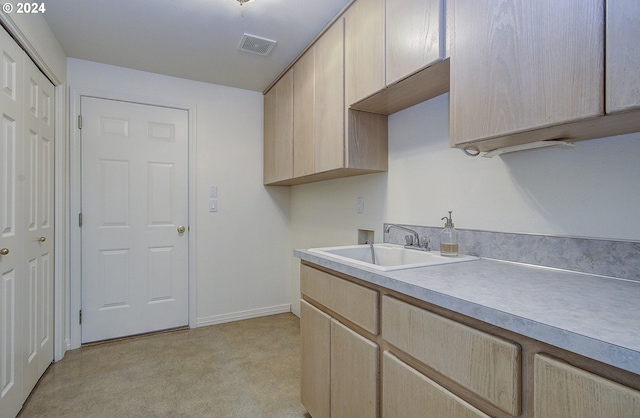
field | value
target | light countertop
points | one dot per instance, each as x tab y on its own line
594	316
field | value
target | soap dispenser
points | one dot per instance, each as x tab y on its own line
448	238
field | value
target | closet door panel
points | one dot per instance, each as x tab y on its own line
26	225
11	126
38	225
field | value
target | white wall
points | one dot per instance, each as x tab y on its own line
592	190
242	254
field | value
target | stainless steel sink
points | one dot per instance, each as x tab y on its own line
389	256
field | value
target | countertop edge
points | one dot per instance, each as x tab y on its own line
593	348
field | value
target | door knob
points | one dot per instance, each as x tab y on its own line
4	251
42	239
181	229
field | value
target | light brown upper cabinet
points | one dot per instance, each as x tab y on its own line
533	71
278	130
414	57
329	140
623	56
303	114
318	101
364	49
415	36
521	66
328	127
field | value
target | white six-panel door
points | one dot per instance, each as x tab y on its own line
26	226
38	222
11	391
134	205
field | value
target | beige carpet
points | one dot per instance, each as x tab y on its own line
248	368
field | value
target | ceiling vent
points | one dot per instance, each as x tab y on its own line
256	44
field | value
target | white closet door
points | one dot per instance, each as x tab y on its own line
26	225
11	391
38	225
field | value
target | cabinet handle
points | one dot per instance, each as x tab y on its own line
42	239
4	251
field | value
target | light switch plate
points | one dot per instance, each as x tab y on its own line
213	205
360	205
213	191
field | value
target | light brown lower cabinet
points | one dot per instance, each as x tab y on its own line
368	351
562	390
315	385
486	365
340	368
408	393
354	374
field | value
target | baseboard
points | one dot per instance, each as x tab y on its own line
237	316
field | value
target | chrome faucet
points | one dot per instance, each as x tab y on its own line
373	253
411	241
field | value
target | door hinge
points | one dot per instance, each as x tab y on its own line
80	220
79	121
80	317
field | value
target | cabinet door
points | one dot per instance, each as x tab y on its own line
623	55
415	36
303	114
561	390
484	364
315	385
407	393
328	149
521	65
364	49
354	374
278	131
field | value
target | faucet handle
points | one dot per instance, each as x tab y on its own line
424	243
408	239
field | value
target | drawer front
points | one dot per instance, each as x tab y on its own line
408	393
356	303
484	364
562	390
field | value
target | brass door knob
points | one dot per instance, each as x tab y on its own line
4	251
42	239
181	229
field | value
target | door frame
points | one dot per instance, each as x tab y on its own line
74	335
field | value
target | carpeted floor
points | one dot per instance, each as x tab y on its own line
248	368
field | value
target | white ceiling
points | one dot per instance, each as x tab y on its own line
193	39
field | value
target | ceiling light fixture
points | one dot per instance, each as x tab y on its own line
244	1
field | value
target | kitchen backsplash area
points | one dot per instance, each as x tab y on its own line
619	259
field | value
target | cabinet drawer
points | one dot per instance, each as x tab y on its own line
407	393
354	302
562	390
484	364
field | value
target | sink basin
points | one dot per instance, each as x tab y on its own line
389	256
